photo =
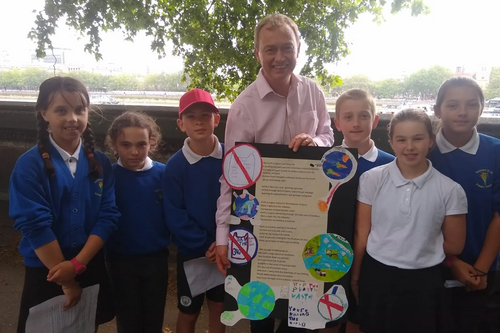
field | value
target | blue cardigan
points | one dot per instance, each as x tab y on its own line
61	207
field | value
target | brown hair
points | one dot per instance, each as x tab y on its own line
134	119
48	89
458	81
356	95
410	115
275	20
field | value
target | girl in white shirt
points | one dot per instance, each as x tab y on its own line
409	217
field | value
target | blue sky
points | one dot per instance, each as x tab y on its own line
455	33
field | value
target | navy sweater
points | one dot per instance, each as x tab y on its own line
142	228
62	207
190	198
479	175
365	165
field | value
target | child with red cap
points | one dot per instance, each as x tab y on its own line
190	191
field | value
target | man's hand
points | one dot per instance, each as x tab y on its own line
73	293
210	254
302	139
221	258
62	273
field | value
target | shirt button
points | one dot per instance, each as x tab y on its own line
407	189
75	195
406	199
75	210
75	227
74	244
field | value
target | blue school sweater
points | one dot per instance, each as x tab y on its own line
61	207
479	175
190	198
365	165
142	227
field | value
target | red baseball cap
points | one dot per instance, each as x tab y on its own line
196	96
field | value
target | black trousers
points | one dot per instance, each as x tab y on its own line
140	290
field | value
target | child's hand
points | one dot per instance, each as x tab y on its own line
73	293
211	253
464	273
483	283
62	273
221	258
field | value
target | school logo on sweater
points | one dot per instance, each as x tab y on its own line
100	184
486	177
159	196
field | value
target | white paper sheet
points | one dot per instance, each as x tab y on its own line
49	316
202	275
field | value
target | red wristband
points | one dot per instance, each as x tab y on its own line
79	268
449	261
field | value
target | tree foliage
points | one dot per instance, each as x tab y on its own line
422	84
426	82
493	88
215	37
31	78
388	88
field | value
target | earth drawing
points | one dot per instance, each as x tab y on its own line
337	165
245	206
327	257
256	300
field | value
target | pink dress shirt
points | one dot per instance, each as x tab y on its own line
260	115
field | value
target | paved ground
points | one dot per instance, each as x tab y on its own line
12	277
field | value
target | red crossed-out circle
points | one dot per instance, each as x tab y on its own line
232	152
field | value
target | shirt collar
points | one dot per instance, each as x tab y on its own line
371	155
64	154
193	158
147	165
398	179
470	147
263	87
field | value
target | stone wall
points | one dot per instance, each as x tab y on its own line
18	132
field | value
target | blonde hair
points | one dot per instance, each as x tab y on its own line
356	95
275	20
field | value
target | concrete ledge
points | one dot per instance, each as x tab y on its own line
18	131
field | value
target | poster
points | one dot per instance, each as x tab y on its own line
291	232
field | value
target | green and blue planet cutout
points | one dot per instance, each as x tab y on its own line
327	257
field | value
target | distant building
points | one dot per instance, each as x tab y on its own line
481	73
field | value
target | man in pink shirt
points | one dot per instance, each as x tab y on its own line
279	107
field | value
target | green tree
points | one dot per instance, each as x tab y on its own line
31	78
493	88
388	88
356	81
124	82
164	82
425	83
11	79
93	81
215	37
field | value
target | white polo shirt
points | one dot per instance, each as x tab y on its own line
70	160
407	215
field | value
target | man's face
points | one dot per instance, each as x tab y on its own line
277	52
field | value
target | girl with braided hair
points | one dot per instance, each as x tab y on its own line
62	200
